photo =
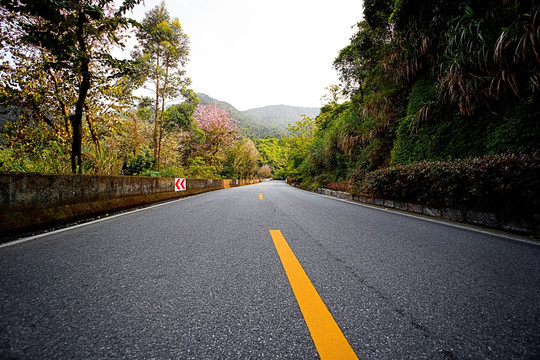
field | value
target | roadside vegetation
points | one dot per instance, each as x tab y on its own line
68	106
437	100
442	105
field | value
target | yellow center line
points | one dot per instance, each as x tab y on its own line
326	334
260	196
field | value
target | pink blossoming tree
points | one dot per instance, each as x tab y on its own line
220	132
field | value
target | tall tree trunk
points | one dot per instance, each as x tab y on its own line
156	115
76	119
165	81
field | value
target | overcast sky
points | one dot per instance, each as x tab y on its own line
253	53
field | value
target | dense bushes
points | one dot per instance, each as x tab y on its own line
506	183
142	164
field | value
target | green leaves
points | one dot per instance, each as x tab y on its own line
503	183
140	164
162	50
66	44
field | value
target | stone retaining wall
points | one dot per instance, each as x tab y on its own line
29	200
496	221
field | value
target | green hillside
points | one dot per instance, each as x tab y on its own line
282	115
268	121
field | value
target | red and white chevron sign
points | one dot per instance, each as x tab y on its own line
179	184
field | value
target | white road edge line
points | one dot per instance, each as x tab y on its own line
23	240
437	221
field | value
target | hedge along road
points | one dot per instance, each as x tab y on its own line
207	277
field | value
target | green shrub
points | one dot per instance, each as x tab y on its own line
142	164
498	183
51	158
199	169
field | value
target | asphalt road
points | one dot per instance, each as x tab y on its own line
200	278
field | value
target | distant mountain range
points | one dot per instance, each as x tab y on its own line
264	121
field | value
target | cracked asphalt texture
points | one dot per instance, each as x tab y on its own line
200	278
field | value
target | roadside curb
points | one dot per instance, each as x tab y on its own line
526	227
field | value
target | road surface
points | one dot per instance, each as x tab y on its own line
210	277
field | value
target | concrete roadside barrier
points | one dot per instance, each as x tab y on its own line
31	201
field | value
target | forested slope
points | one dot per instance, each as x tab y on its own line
428	81
282	115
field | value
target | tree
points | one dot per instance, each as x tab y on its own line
219	133
333	97
162	53
246	157
180	116
273	152
301	135
264	171
356	61
68	35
